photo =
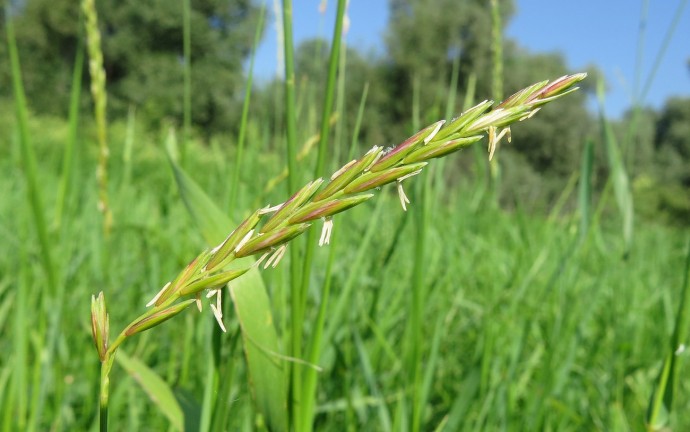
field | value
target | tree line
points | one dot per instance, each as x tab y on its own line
427	51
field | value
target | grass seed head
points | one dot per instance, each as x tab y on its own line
157	318
100	324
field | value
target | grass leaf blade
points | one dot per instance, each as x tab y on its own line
619	176
252	305
155	387
661	401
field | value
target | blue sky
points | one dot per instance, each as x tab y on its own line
604	33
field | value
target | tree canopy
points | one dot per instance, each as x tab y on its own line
142	46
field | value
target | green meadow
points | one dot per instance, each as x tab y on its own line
504	298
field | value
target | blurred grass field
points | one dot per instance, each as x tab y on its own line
533	333
528	320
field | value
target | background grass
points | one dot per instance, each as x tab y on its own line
531	334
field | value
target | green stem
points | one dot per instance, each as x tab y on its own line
239	157
496	84
308	391
187	71
291	136
104	393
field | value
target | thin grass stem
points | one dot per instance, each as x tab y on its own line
187	73
239	156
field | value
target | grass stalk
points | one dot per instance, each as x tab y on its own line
20	345
308	395
414	353
618	176
295	277
187	73
128	148
417	303
496	84
97	72
314	350
239	156
358	121
496	51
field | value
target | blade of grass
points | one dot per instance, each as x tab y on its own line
51	300
128	147
585	189
20	345
73	120
155	387
6	402
430	368
370	377
267	373
618	176
358	122
28	159
253	308
221	413
661	400
336	316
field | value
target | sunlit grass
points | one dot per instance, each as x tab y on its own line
462	316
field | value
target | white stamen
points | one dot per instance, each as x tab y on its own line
412	174
494	139
434	132
270	209
276	257
217	248
219	318
680	350
198	301
376	159
343	169
260	260
157	296
211	293
219	302
403	198
529	114
326	232
244	240
373	149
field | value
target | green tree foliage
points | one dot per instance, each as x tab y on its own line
672	139
142	44
663	190
311	61
551	143
423	38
